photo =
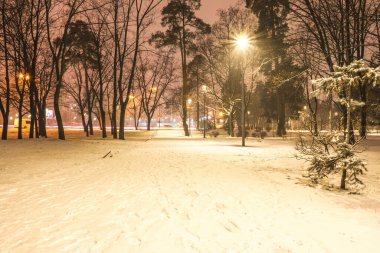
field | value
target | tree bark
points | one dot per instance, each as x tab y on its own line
148	123
281	130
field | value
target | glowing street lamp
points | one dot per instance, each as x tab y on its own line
242	43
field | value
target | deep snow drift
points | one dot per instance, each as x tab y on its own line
163	195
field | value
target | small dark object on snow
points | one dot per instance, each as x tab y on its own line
108	154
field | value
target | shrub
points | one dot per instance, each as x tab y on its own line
328	156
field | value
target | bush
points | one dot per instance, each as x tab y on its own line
259	134
246	134
214	133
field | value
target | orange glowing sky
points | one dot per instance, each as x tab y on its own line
209	8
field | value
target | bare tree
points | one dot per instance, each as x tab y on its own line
58	47
340	29
5	105
154	75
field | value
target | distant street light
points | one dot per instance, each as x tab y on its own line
242	43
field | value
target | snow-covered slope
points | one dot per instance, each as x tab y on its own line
167	195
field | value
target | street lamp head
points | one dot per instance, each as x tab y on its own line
189	101
27	77
154	89
21	76
242	42
204	88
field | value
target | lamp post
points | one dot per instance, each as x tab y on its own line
242	43
204	90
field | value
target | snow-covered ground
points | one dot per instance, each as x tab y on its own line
162	194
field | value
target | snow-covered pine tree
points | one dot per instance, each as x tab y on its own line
328	153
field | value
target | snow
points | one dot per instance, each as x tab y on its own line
157	194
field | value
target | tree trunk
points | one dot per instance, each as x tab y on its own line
42	120
363	111
5	111
122	122
230	125
114	123
281	130
148	123
19	128
90	123
343	180
37	134
32	110
184	118
103	122
85	126
315	124
58	116
197	98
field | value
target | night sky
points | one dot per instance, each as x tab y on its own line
209	8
